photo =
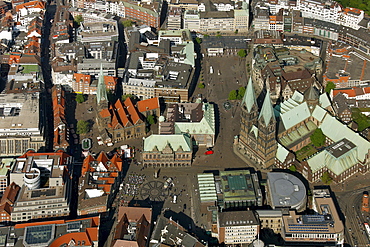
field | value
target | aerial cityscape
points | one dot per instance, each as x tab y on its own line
186	123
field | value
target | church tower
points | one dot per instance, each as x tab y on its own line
249	112
101	93
266	144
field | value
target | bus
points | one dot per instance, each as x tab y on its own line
367	227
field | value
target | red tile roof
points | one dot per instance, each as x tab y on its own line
110	81
10	194
134	213
82	77
33	4
353	92
77	237
6	208
86	164
103	158
148	104
104	113
349	92
132	111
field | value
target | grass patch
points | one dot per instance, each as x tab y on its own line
362	120
364	109
30	69
305	152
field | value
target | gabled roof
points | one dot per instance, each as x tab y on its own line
102	158
281	153
86	164
6	208
29	5
10	193
85	78
132	111
148	104
134	213
104	113
120	115
249	98
117	162
162	141
77	237
110	80
205	126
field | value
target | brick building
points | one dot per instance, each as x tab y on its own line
167	151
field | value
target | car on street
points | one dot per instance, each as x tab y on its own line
209	152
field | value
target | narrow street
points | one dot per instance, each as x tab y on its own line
350	204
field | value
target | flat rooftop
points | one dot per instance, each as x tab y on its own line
237	218
19	111
237	185
285	189
41	194
341	147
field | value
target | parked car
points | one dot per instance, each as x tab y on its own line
209	152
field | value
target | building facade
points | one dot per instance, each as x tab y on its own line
239	227
167	151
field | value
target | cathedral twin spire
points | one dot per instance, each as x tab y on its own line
249	100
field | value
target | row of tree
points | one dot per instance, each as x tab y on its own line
237	94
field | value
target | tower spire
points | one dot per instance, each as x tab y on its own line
101	94
267	112
249	98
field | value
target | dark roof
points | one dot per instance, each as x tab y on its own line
340	103
341	147
237	218
237	42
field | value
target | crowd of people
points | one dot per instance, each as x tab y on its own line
133	184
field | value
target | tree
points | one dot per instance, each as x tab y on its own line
82	127
241	92
198	40
318	138
329	86
292	168
127	23
242	53
361	119
233	95
78	19
80	98
201	85
325	178
125	96
151	119
236	31
111	96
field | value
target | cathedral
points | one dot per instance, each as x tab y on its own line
257	139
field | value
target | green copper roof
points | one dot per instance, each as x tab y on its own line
161	141
205	126
249	98
101	94
281	153
267	112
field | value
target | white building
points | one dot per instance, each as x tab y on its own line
142	88
351	17
20	127
237	227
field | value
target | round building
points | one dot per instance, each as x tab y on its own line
285	190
